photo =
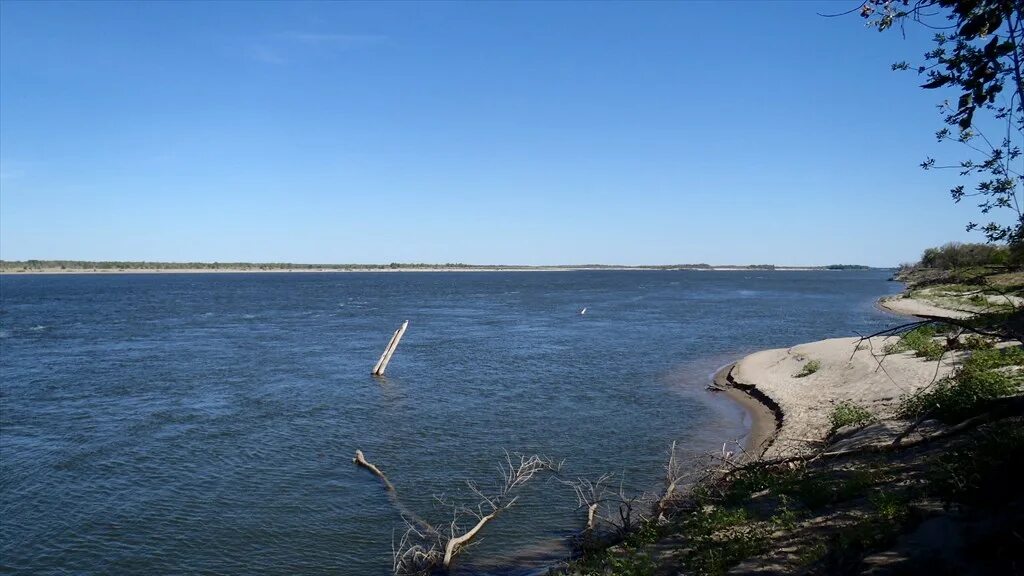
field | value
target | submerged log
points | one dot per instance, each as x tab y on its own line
406	513
360	460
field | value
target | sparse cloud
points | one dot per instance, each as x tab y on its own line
266	54
11	170
283	47
334	40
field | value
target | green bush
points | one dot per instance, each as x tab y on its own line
921	341
992	358
981	471
849	414
809	368
979	380
721	537
975	342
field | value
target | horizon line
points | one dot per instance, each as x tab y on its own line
39	263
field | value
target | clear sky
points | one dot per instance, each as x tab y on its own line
512	133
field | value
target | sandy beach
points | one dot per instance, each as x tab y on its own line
790	414
905	306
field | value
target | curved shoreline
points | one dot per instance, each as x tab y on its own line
790	413
764	420
901	305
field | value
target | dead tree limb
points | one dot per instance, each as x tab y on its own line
423	548
360	460
455	544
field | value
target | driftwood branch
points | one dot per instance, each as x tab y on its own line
423	548
360	460
455	544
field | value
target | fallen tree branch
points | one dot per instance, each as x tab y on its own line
360	460
456	544
419	551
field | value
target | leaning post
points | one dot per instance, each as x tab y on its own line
382	364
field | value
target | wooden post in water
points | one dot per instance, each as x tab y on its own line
382	364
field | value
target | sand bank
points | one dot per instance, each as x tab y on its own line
852	370
905	306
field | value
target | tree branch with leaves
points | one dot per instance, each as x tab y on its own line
978	54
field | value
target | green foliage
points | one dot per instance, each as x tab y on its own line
848	546
890	506
981	378
811	554
631	563
809	368
849	414
975	343
921	341
953	255
811	490
991	358
719	538
983	470
977	54
644	535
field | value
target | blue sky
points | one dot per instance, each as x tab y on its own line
526	133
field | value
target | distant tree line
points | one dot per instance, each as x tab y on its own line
146	265
117	265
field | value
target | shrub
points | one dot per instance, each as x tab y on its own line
849	414
975	342
809	368
992	358
921	341
981	471
960	396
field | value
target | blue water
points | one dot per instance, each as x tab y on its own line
159	424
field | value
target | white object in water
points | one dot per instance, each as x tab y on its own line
584	311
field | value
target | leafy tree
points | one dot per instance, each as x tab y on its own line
978	54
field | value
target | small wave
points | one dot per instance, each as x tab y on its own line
38	328
248	316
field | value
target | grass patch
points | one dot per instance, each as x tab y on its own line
811	490
983	471
890	507
993	358
975	342
849	414
811	554
921	341
981	378
719	538
850	545
809	368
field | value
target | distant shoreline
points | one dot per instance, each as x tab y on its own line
28	268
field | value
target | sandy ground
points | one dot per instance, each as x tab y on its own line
851	370
900	304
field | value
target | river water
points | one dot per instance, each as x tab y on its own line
205	423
